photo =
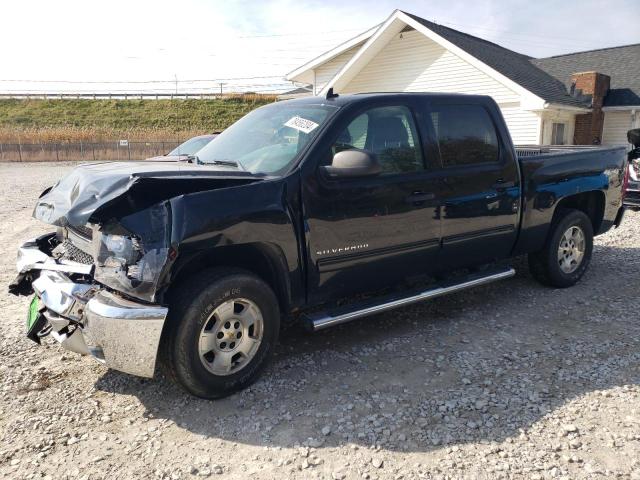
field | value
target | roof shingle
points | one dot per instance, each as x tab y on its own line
550	78
622	64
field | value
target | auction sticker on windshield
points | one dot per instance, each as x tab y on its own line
302	124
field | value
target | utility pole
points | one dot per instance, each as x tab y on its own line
176	77
221	84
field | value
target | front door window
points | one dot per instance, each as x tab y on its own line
390	133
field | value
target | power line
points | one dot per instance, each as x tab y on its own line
515	37
170	90
191	89
139	81
300	33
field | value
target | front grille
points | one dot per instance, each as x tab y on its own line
84	231
73	253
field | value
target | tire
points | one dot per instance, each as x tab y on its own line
548	267
208	306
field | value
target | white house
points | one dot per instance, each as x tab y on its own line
557	100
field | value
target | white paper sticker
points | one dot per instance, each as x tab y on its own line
302	124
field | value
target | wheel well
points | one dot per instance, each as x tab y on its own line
258	259
591	203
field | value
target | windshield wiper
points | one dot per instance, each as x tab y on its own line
228	163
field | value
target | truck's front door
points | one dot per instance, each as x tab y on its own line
481	194
371	232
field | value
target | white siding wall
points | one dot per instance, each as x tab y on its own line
524	126
327	71
415	63
616	125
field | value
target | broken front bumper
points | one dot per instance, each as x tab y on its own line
88	319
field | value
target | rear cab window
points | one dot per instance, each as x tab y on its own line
464	135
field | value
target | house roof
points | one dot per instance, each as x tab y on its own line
547	78
622	64
296	92
513	65
299	73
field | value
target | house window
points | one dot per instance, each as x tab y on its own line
557	134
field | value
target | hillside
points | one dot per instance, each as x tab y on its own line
37	120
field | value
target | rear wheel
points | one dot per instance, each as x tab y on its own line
221	332
567	253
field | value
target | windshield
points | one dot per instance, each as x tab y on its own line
268	139
191	146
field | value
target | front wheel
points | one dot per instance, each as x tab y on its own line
567	253
221	332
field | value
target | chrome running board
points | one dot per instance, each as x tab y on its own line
321	320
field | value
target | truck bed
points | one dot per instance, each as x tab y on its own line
552	173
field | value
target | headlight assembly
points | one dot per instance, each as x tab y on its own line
119	247
132	262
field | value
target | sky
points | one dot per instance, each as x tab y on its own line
194	45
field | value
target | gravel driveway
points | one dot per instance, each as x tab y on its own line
512	380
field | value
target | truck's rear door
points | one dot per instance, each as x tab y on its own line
480	199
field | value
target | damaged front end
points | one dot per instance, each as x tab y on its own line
99	278
82	314
132	255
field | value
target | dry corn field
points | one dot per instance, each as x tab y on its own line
35	130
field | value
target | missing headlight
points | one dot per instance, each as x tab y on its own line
132	253
125	248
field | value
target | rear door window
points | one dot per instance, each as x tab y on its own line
465	135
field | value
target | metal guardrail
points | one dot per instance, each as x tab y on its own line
90	151
136	95
124	95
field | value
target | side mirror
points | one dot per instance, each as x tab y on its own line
353	163
634	137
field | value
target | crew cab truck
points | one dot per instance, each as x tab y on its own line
388	198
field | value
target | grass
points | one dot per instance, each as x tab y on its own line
70	120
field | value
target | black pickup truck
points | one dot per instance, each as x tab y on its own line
292	213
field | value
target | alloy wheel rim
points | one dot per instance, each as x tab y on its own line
571	249
231	336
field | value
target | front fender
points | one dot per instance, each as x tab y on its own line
236	225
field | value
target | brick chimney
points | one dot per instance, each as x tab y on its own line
595	86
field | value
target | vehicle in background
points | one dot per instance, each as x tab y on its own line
185	151
632	197
314	210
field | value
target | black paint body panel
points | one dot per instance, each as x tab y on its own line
550	178
324	239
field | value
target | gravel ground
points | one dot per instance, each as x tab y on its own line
512	380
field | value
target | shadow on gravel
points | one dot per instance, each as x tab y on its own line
482	365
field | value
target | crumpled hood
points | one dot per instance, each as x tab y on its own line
112	189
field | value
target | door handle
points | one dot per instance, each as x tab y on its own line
417	198
501	184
